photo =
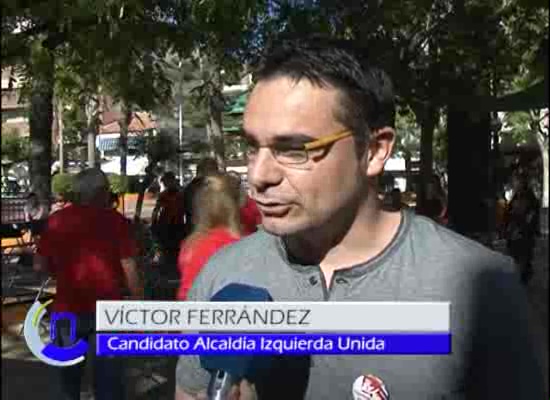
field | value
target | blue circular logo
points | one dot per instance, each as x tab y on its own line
48	352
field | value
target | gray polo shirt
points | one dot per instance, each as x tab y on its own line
493	353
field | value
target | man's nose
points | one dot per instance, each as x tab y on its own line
264	170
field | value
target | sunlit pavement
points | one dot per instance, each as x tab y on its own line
26	378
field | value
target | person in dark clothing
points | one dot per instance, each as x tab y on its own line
522	226
394	201
435	206
168	223
207	166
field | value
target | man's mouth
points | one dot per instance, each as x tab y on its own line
273	209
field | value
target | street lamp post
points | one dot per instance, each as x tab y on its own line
180	142
60	137
180	126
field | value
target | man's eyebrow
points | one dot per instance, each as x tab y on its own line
293	138
289	138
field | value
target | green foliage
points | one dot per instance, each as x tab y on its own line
516	126
162	147
74	125
117	45
407	142
435	51
524	126
118	184
184	75
196	114
63	184
14	147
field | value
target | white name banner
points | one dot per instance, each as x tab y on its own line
164	316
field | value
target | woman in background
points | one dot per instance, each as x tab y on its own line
216	223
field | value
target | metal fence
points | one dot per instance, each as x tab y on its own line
13	209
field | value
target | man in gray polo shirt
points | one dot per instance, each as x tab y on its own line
320	127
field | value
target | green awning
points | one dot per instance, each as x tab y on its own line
238	104
232	129
534	97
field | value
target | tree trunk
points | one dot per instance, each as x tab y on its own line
543	146
147	181
428	122
40	123
216	131
60	137
180	140
470	188
93	112
124	122
408	170
92	116
91	147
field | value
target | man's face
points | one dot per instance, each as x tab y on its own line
296	199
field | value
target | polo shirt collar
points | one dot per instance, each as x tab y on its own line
357	270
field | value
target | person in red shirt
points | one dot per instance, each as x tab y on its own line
216	222
89	249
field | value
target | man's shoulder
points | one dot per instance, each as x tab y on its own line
436	242
90	212
250	260
248	248
63	214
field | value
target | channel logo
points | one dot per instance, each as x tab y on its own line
49	353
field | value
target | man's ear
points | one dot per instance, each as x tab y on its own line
380	149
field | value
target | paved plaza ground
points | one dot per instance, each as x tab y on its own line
25	378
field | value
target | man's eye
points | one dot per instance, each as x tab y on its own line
291	155
289	152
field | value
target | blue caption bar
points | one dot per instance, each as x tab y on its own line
120	344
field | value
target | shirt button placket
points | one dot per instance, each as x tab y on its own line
340	286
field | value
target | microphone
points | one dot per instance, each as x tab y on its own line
275	377
228	369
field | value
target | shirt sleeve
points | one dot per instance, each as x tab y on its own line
504	360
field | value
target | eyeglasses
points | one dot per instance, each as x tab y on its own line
296	154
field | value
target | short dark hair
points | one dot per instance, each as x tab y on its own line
367	92
168	177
